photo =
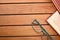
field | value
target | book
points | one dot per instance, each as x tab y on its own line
57	4
54	21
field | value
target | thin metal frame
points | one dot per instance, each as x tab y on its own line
41	29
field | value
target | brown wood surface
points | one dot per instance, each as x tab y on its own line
22	19
14	1
18	27
29	38
27	8
23	30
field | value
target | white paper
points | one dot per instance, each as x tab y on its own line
54	21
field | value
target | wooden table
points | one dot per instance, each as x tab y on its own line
16	17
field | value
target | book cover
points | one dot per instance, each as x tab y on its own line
57	4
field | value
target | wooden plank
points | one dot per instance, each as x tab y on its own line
14	1
56	37
29	38
22	19
27	8
23	30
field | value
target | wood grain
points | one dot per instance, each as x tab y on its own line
29	38
14	1
27	8
23	30
14	27
22	19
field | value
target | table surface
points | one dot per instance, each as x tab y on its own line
16	18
